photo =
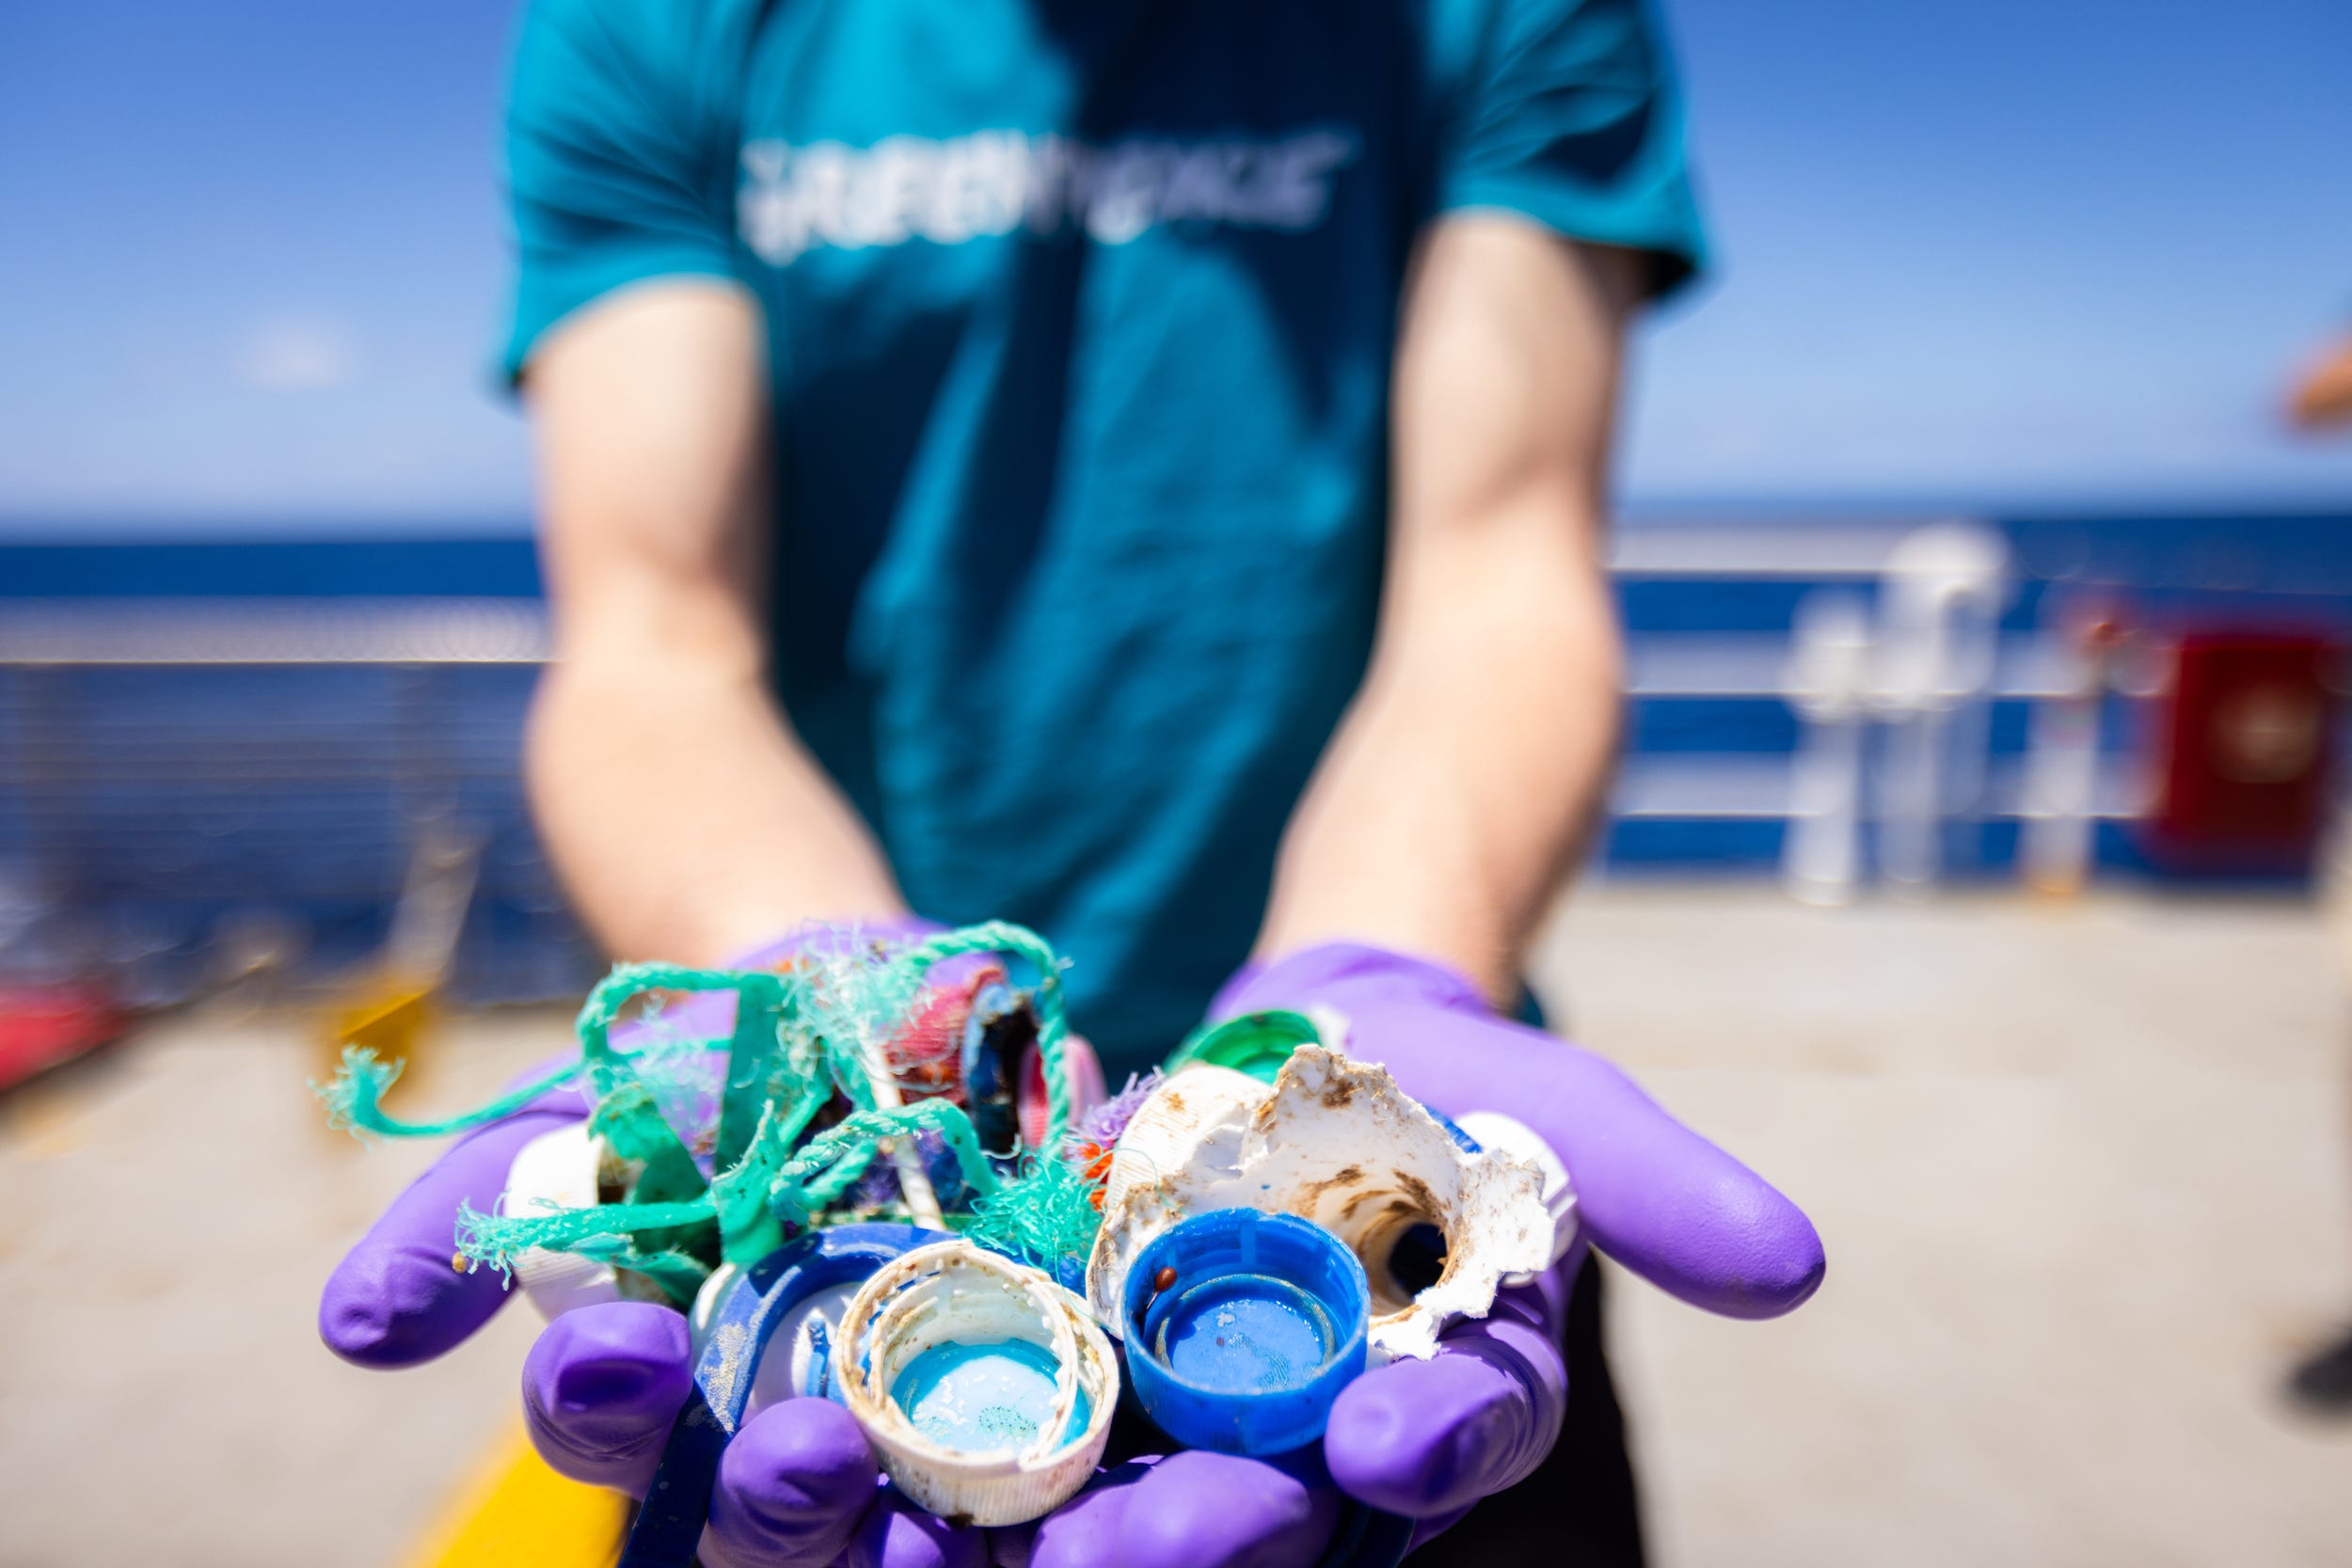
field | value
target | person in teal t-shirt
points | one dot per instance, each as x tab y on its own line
1063	332
1134	468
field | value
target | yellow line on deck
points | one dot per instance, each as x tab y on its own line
513	1510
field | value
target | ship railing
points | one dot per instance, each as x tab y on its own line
1891	667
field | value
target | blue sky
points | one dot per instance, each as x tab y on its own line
2000	253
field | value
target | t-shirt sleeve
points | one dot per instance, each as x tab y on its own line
1567	114
617	168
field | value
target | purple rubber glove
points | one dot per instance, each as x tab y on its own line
602	1386
1193	1510
1427	1439
1421	1438
1649	1192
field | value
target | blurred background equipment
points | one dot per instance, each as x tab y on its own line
270	796
2244	749
1901	704
44	1026
389	1005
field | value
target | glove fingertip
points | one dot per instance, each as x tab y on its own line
1202	1509
388	1305
601	1387
1084	1532
793	1484
397	1297
1425	1437
898	1535
1769	1259
1800	1266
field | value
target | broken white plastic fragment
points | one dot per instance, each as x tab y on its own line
1335	1141
1493	1130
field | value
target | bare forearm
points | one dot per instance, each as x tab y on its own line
1459	791
686	821
685	818
1456	796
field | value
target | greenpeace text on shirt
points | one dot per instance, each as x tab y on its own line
991	183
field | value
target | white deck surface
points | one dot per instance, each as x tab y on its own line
2083	1172
2083	1179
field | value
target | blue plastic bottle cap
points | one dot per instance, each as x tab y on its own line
1243	1327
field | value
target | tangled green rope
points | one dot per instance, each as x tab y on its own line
794	1043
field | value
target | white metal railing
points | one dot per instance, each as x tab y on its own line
1893	699
94	632
132	838
1914	673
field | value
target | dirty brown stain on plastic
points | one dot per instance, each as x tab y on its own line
1417	1190
1311	1192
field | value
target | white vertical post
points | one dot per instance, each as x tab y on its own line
1826	682
1939	607
2060	788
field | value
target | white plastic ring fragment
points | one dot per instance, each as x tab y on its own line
953	1293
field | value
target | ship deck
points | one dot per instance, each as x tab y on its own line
2084	1170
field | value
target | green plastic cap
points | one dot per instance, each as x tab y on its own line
1255	1043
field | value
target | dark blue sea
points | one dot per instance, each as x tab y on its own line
169	823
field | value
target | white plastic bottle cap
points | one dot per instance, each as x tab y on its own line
1024	1363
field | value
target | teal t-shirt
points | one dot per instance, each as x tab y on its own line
1079	318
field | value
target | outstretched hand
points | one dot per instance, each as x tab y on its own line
799	1486
1428	1439
603	1384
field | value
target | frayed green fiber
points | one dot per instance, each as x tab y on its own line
1041	1216
839	1156
751	1200
355	1098
493	1240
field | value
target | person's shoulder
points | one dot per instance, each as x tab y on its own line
673	55
669	33
1471	44
1461	37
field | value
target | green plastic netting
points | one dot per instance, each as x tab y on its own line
802	1043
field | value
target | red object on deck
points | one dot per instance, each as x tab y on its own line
2245	744
41	1026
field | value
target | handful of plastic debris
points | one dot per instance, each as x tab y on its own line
825	1166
